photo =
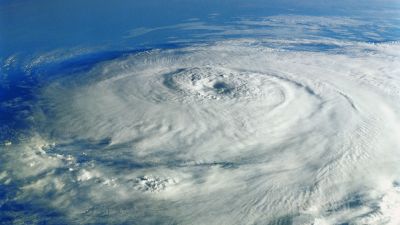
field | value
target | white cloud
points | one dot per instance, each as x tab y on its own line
227	133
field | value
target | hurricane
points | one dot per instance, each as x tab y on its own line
261	129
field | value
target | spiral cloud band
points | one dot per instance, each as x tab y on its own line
233	132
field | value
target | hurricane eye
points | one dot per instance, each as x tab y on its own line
222	88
